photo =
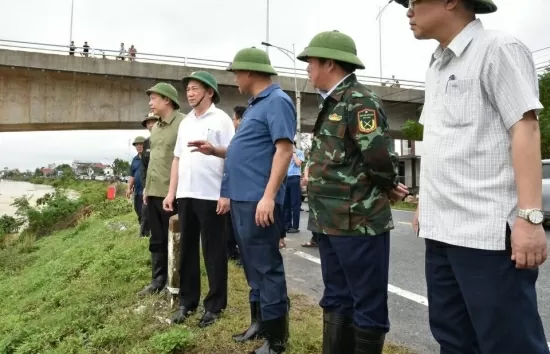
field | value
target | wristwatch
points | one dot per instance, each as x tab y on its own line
534	216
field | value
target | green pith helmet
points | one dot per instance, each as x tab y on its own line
206	78
148	117
332	45
138	140
481	6
252	59
166	90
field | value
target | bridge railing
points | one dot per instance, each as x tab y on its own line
99	53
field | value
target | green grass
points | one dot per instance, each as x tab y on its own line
404	206
75	292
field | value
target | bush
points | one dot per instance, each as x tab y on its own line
53	212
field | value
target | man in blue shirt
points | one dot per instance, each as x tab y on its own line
293	195
256	166
135	183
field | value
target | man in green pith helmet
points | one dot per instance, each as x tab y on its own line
149	122
195	185
254	183
164	102
352	176
479	207
135	186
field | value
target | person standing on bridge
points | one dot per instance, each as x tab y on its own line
163	101
195	184
254	183
480	199
148	123
352	174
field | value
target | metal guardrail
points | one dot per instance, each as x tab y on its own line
184	61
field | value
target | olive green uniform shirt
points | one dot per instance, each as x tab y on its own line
163	140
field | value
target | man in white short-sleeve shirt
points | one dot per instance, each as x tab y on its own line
480	183
195	184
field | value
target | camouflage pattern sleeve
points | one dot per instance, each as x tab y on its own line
368	126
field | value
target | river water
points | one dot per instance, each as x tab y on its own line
10	190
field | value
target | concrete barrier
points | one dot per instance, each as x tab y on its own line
173	284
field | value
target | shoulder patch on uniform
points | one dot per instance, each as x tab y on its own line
367	120
335	117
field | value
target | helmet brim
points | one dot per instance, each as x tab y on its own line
333	54
247	66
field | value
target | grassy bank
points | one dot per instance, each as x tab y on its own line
74	291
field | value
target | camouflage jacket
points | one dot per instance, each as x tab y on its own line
145	156
352	164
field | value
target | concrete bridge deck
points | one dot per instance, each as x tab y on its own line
43	91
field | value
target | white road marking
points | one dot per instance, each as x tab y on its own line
404	223
422	300
419	299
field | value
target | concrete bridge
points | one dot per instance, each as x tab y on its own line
44	91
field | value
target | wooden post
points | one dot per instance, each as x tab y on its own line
173	284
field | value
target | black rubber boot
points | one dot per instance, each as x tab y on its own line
159	274
338	334
254	331
369	341
182	314
276	332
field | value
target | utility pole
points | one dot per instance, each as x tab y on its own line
71	29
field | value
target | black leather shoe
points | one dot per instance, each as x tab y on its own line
182	314
369	341
338	334
254	331
276	332
208	318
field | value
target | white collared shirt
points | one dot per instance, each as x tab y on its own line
476	90
325	94
199	175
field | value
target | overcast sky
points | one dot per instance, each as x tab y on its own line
216	29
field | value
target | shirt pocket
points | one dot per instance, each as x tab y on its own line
462	102
331	142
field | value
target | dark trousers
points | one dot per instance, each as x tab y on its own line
261	258
159	220
355	273
231	241
138	206
145	229
201	224
479	303
293	202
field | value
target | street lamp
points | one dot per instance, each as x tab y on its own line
379	19
267	27
71	29
292	55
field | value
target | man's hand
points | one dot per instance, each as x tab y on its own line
303	181
223	206
202	146
528	244
128	193
144	198
398	193
168	202
264	212
415	222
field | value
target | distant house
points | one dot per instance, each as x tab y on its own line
47	172
90	168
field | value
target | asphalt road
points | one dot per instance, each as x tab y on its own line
407	297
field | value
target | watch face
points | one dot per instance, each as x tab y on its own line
536	217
